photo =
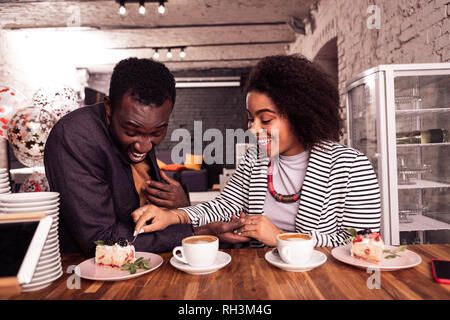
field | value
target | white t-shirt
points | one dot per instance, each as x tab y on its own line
288	175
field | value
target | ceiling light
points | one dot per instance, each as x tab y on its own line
162	10
122	9
141	8
182	53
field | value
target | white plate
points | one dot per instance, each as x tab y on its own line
49	254
29	209
50	248
43	263
11	205
29	197
33	286
47	276
5	190
48	265
317	259
222	259
407	259
53	212
47	271
89	270
4	184
50	244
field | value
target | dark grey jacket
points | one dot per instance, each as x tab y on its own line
96	186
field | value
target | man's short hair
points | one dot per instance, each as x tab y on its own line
146	80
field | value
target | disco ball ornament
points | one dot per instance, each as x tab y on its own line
10	101
59	99
28	130
37	182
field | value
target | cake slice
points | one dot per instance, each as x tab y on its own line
113	253
367	245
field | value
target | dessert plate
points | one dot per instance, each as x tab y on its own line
317	258
222	259
89	270
407	259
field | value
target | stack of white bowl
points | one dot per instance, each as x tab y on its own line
5	187
49	266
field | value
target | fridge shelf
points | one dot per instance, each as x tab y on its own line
410	112
423	223
423	184
440	144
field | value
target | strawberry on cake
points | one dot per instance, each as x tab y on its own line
114	253
367	245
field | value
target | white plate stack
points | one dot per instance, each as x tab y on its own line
5	187
49	266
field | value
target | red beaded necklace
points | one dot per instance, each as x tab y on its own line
279	197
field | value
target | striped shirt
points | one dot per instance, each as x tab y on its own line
340	191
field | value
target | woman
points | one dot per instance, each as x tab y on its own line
297	178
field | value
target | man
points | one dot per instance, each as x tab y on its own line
101	160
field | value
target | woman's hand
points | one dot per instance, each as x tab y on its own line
160	218
260	228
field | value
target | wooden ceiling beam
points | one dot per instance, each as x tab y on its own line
14	15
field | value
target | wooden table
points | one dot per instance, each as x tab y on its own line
250	277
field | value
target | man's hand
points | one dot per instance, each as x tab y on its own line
223	230
170	195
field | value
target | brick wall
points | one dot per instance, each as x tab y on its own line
410	31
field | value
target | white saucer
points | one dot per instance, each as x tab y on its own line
222	259
318	258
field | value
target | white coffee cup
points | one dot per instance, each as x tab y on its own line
295	248
197	251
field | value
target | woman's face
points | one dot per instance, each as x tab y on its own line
273	131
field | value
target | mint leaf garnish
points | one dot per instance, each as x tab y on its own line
99	242
394	254
353	232
140	263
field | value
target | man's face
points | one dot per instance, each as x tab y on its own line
136	128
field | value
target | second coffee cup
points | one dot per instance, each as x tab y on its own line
295	248
197	251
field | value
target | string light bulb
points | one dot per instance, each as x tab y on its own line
182	53
169	54
162	10
141	8
122	9
156	54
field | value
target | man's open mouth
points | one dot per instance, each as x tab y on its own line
136	156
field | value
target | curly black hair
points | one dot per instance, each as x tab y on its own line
146	80
303	93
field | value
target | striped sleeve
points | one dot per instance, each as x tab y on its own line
232	201
362	206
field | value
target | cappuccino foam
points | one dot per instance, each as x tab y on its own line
199	239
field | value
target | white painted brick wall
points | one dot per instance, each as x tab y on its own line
411	31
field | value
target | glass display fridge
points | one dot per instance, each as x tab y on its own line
399	116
